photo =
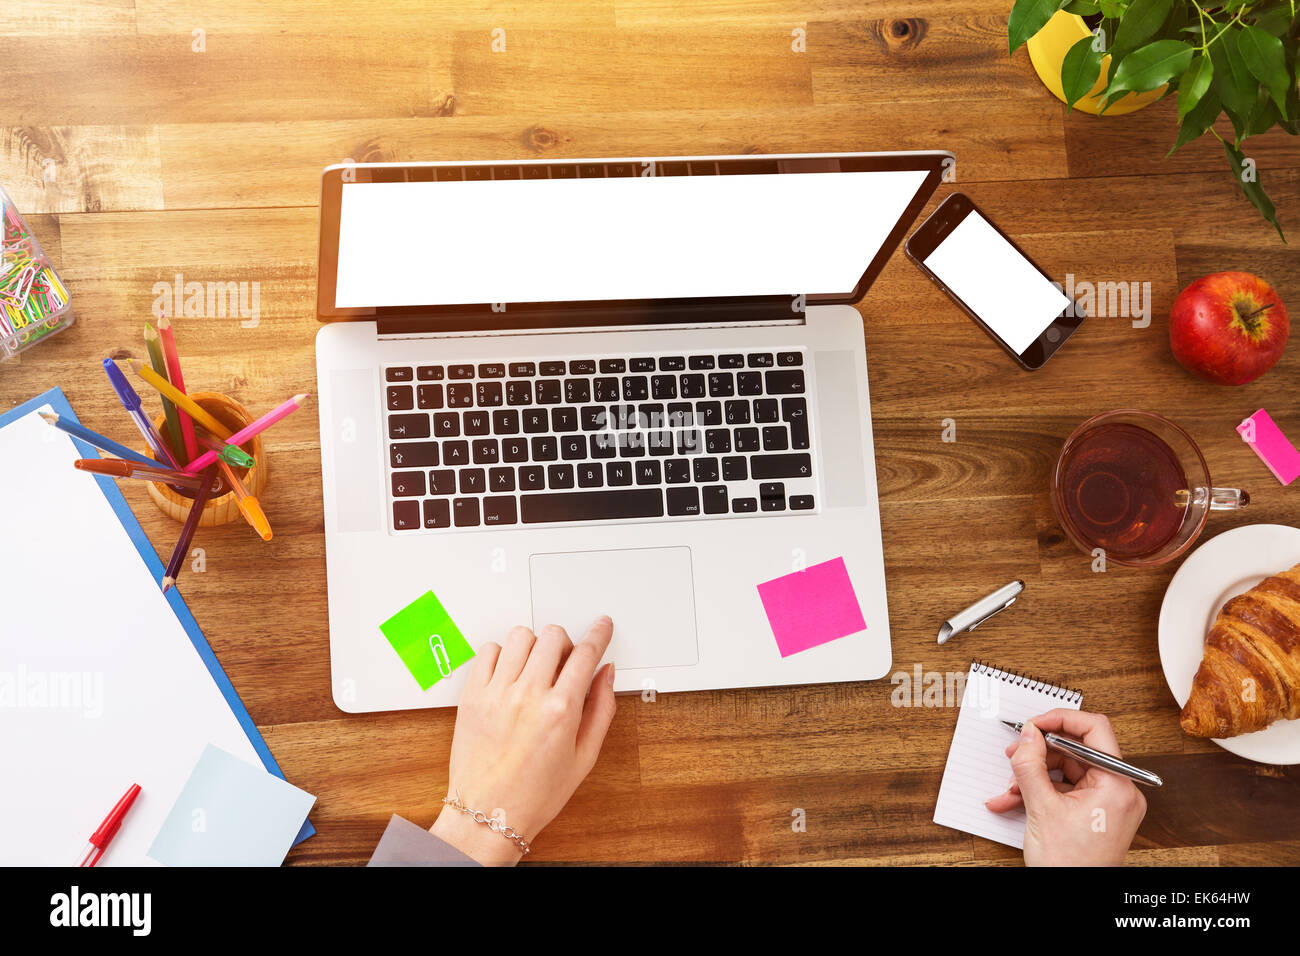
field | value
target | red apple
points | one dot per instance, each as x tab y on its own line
1229	327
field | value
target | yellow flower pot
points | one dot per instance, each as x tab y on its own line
1047	49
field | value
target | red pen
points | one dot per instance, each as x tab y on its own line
100	839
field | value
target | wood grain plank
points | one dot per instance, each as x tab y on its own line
81	168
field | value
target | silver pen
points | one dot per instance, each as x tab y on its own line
1095	758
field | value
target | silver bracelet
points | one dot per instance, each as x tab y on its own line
492	823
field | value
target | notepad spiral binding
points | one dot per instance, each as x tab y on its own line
1068	694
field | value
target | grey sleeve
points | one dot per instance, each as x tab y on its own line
405	844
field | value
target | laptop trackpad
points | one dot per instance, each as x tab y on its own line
649	593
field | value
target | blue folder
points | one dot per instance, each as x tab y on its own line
56	400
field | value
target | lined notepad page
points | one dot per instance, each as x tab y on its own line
978	767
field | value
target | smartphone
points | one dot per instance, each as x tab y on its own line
992	279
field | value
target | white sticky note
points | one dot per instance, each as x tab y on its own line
231	813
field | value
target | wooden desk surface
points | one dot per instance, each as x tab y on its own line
143	158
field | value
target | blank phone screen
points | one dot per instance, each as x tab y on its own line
996	282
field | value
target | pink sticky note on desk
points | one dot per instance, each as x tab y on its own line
1261	433
811	607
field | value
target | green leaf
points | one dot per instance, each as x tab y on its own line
1276	21
1027	18
1231	79
1139	25
1253	190
1266	60
1201	118
1194	84
1261	117
1082	8
1114	9
1080	70
1150	66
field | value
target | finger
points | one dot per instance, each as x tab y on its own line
551	647
485	661
597	714
1070	768
1029	763
580	667
1013	798
1093	729
519	642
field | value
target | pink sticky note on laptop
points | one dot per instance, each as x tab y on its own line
811	607
1261	433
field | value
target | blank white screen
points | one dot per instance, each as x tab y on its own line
455	243
997	282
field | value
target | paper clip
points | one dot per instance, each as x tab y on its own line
979	612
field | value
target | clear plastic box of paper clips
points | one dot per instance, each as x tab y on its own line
33	301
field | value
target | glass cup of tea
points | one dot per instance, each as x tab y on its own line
1135	485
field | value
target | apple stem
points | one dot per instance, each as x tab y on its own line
1262	308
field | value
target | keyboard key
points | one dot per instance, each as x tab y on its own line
428	396
446	424
545	449
564	419
760	360
514	450
492	370
746	439
788	359
641	365
801	502
532	478
647	472
552	368
795	411
473	481
737	412
677	471
604	445
672	363
455	453
623	416
766	409
408	484
704	470
721	384
717	441
593	418
691	386
771	497
582	367
437	513
660	442
408	426
559	477
734	469
577	391
573	447
499	510
681	415
650	415
522	369
689	441
775	439
631	444
477	422
731	361
486	451
465	512
442	482
749	383
715	500
413	454
612	366
536	420
460	371
636	388
519	393
780	466
400	398
683	501
505	422
429	373
606	390
489	394
593	505
618	472
406	515
708	413
743	505
784	381
548	391
590	475
501	479
700	361
663	386
398	374
460	395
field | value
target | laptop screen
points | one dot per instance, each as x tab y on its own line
613	231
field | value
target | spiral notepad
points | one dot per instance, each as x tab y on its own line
977	766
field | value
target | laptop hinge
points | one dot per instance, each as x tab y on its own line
756	310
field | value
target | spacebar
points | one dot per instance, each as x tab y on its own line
592	506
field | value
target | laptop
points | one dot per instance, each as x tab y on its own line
551	390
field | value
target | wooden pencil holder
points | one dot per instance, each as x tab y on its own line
222	507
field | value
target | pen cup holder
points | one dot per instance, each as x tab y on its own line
222	507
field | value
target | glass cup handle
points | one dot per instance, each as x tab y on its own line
1228	499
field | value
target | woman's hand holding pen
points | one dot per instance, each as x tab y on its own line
1090	818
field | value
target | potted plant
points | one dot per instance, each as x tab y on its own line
1235	57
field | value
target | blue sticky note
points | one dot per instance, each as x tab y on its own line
231	813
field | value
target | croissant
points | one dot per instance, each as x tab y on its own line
1250	675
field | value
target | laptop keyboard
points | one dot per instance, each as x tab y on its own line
668	437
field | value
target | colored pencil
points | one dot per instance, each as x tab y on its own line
187	532
117	468
244	434
131	402
182	401
248	505
177	379
159	363
78	430
230	454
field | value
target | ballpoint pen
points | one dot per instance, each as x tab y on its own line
131	402
100	839
1094	758
120	468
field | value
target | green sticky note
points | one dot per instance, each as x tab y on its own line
427	640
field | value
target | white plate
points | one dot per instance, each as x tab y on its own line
1222	568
